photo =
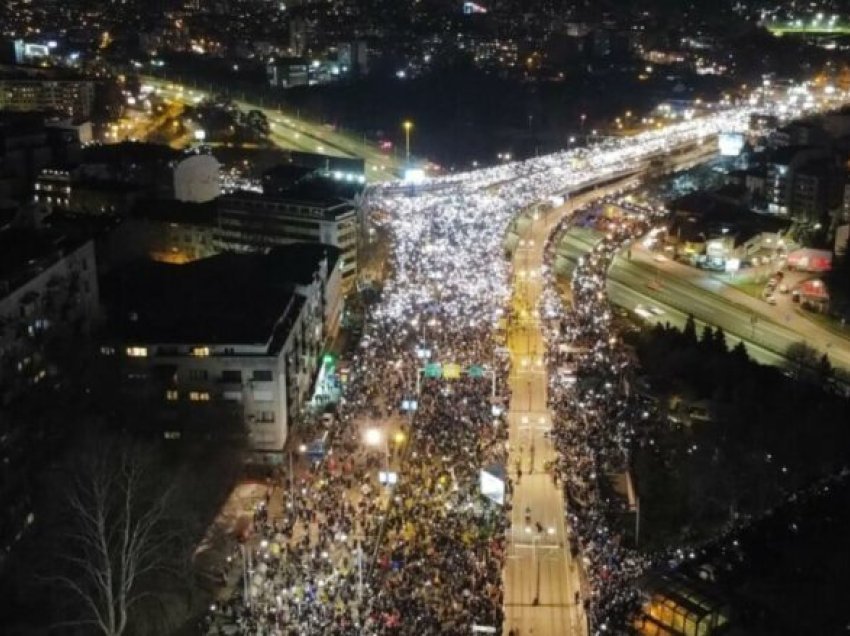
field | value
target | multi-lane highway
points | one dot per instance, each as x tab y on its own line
291	132
675	290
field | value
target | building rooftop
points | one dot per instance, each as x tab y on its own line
300	261
327	208
174	211
224	299
130	151
702	214
283	197
38	73
785	155
285	174
25	253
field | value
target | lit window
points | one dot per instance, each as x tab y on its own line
171	395
171	434
199	396
137	352
201	352
107	351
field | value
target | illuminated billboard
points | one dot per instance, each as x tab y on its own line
492	483
731	144
414	175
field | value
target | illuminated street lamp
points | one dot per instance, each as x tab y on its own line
374	437
408	125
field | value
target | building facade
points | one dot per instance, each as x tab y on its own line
803	183
74	97
248	222
48	287
232	342
48	305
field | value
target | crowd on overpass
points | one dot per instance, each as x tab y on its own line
559	172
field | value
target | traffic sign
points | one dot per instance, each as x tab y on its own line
433	370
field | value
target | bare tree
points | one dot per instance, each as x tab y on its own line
117	534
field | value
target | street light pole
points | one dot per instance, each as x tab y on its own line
387	454
302	448
407	126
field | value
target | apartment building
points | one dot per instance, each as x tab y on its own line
48	303
48	286
248	222
73	97
804	183
227	343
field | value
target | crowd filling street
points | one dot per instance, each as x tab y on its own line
595	423
386	531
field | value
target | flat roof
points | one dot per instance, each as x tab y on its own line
301	260
324	202
699	215
225	299
174	211
130	151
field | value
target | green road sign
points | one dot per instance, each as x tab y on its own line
433	370
475	371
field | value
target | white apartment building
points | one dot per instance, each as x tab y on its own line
234	340
249	221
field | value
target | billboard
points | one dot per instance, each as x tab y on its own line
414	175
731	144
492	483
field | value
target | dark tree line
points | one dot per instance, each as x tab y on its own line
768	433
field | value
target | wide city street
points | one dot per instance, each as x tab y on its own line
541	578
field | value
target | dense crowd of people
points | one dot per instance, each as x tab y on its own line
349	555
